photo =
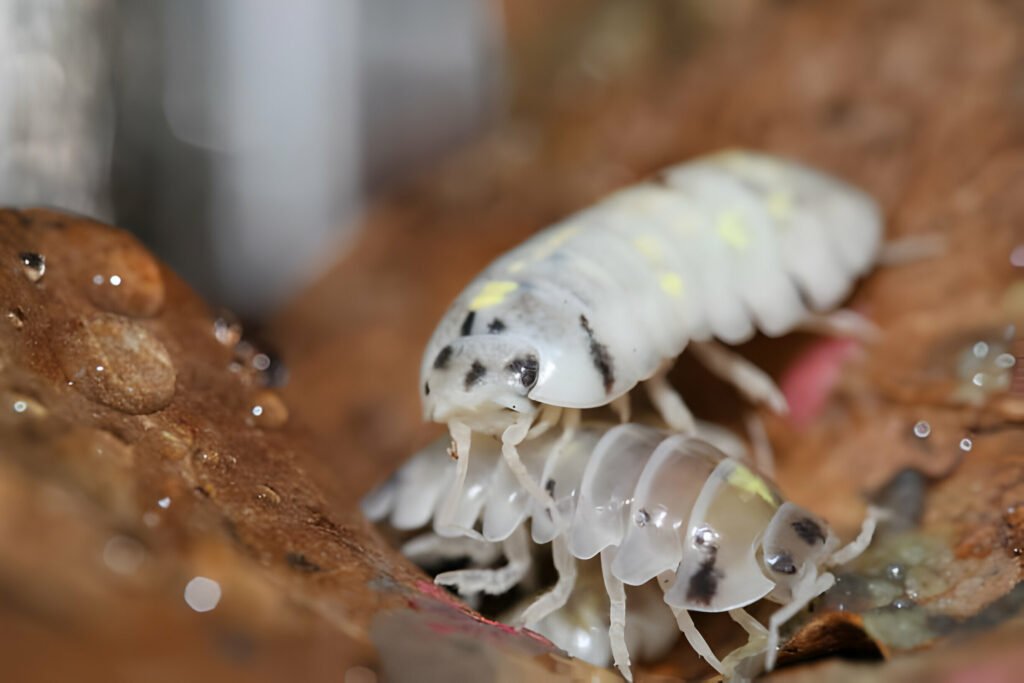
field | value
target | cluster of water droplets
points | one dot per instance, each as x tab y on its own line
985	367
115	357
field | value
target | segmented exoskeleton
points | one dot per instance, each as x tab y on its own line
648	507
578	315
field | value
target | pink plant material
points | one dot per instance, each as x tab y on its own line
809	380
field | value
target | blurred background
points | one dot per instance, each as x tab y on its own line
271	121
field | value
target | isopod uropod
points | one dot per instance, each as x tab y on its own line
582	312
648	507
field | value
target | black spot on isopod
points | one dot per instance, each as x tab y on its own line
475	374
426	388
524	370
467	324
809	531
549	486
443	356
704	582
599	355
781	563
496	326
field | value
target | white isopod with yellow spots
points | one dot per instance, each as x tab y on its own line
640	507
578	315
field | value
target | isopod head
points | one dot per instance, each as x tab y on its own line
482	381
796	544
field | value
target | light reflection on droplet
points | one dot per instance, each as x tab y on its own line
164	502
123	555
979	379
1005	361
257	410
980	349
115	280
227	330
966	444
202	594
922	429
20	406
33	265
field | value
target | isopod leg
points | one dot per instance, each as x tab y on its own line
858	545
760	445
752	626
621	407
843	323
617	624
751	381
493	581
912	249
757	638
669	404
511	438
549	417
801	599
554	599
430	548
462	436
695	639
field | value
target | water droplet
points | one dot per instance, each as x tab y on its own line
118	363
22	406
123	555
895	572
33	265
204	457
267	495
902	603
978	379
164	502
980	349
922	429
126	280
966	444
227	329
16	317
1005	361
202	594
642	517
261	362
150	519
267	410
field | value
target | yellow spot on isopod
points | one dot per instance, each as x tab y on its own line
649	247
730	227
492	294
672	284
744	479
554	241
780	204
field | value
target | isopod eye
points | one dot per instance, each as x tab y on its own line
524	370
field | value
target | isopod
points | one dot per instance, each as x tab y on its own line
647	507
579	314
